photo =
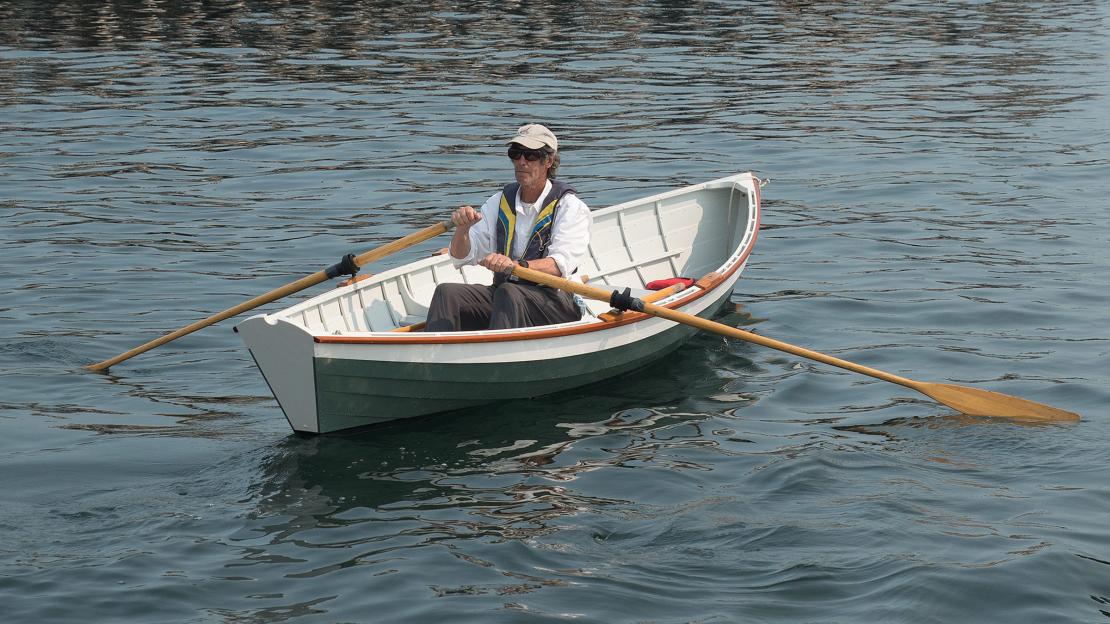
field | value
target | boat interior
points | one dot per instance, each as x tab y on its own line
678	234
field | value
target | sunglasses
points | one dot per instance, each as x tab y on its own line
528	154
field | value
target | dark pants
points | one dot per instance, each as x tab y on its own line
470	307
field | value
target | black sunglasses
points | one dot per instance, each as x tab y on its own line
529	154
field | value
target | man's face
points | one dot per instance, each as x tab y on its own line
529	172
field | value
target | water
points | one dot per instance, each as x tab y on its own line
937	210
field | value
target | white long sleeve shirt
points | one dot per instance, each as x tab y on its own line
570	233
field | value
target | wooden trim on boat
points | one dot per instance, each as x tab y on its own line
709	281
410	328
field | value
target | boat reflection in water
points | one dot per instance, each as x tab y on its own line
507	471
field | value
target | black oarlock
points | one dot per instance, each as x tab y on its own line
346	266
625	301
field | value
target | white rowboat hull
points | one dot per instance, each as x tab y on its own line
338	361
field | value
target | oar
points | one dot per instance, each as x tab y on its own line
305	282
971	401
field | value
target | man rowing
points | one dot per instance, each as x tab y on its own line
537	222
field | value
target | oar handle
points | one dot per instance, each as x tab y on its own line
305	282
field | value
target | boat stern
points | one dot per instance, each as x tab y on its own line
283	353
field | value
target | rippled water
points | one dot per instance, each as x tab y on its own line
938	209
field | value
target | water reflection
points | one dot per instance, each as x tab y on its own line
495	463
912	60
381	499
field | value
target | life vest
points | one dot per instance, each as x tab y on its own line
540	237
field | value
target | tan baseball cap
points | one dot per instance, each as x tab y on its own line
535	136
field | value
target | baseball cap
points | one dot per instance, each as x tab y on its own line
535	136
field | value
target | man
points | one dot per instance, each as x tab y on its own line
537	222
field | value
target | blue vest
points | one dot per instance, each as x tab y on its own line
540	237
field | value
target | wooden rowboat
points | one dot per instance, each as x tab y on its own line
348	358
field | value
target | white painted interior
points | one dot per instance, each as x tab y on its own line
684	233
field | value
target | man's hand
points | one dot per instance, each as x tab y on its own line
498	263
465	216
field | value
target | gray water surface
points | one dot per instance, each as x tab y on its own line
937	209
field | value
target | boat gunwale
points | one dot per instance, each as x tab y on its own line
578	327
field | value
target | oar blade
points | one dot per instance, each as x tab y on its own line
978	402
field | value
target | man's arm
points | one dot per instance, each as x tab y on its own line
473	237
464	218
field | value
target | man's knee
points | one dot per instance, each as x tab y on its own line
448	289
447	292
508	293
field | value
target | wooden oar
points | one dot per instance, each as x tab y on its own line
305	282
971	401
